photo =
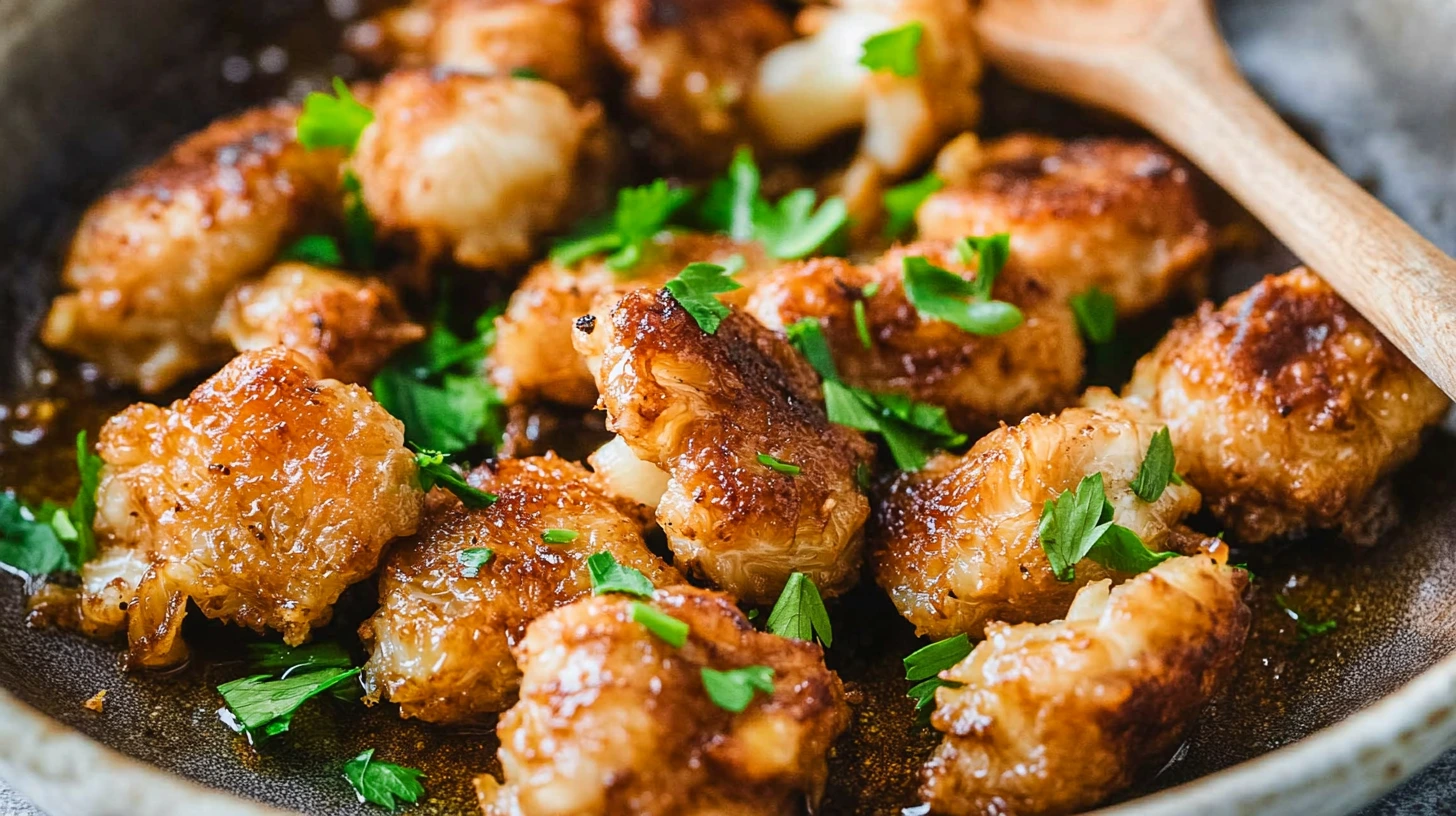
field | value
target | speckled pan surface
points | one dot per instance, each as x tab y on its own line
88	87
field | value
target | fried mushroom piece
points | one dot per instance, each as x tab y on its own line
260	497
704	407
478	167
614	721
955	544
152	261
530	361
1289	410
689	66
812	89
346	325
490	37
440	644
979	380
1054	718
1115	214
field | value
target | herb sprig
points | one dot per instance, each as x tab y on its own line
799	612
923	666
1078	524
383	783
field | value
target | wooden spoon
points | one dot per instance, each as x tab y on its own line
1164	64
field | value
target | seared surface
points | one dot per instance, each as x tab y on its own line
980	381
1054	718
152	261
347	326
532	359
702	408
1115	214
440	643
1289	410
260	497
612	720
955	545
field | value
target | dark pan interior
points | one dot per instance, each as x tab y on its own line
105	84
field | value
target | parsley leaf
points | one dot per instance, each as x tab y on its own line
525	73
902	202
941	295
332	121
381	783
894	50
317	250
472	559
358	225
924	664
670	630
1078	524
438	388
792	228
556	535
779	465
1096	314
799	612
990	254
862	325
733	690
260	707
29	543
1304	628
434	472
909	428
696	289
641	213
279	657
609	576
83	509
1156	471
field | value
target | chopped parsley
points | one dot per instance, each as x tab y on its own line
1096	314
941	295
382	783
333	121
260	707
989	253
38	541
439	388
525	73
1304	628
316	250
910	429
1078	524
779	465
609	576
281	658
791	228
862	325
472	559
358	225
556	535
696	289
668	629
1156	471
895	50
434	472
902	202
799	612
641	213
923	666
733	690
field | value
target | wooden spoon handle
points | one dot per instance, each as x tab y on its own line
1188	91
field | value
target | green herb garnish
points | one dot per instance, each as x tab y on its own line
316	250
696	289
1156	471
1096	314
434	472
670	630
260	707
1078	524
791	228
47	539
924	664
382	783
556	535
1305	629
902	201
641	213
333	121
279	658
895	50
779	465
609	576
472	559
941	295
799	612
733	690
